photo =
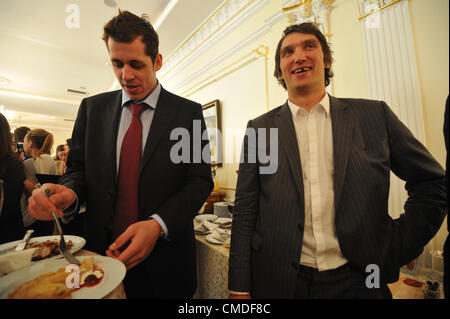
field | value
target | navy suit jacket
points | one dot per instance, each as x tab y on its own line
174	191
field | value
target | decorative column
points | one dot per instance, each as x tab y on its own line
392	72
392	75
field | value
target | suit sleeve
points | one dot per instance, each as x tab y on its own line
426	206
244	218
197	187
74	178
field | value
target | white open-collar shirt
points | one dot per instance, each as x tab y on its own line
320	247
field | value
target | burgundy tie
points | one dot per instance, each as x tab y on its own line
127	191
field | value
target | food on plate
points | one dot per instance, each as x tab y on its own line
413	282
52	285
47	248
90	275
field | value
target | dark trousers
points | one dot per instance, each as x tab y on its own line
137	283
344	282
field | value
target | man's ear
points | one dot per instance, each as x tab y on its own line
158	62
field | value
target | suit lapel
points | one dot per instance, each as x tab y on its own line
342	127
288	141
113	106
165	111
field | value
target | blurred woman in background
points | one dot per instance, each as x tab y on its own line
38	143
12	178
61	159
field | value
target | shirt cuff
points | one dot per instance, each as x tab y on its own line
161	223
70	211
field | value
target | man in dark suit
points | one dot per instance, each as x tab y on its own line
318	227
139	201
447	176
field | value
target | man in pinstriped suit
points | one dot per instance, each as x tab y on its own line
314	227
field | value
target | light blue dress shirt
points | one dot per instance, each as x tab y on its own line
125	120
146	119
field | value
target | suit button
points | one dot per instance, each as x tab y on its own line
109	196
295	265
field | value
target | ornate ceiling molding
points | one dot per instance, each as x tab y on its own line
315	11
227	16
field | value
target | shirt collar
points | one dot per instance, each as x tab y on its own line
325	102
151	99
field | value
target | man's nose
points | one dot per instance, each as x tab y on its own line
127	73
299	55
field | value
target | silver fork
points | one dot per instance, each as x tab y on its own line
62	243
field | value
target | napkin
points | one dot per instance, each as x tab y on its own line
210	226
15	260
201	230
216	230
224	222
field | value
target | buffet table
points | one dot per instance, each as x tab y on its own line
212	270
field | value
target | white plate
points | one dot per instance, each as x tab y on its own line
211	238
77	244
208	217
114	272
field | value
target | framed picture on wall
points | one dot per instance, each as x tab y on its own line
211	113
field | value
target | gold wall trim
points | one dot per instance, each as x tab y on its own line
260	51
364	16
207	38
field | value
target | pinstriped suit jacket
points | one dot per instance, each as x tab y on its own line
369	141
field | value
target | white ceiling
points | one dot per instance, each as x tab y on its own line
41	57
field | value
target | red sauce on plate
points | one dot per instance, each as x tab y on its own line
91	280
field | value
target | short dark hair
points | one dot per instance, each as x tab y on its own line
60	148
69	142
307	28
19	134
126	26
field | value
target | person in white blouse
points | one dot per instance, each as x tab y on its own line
314	227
